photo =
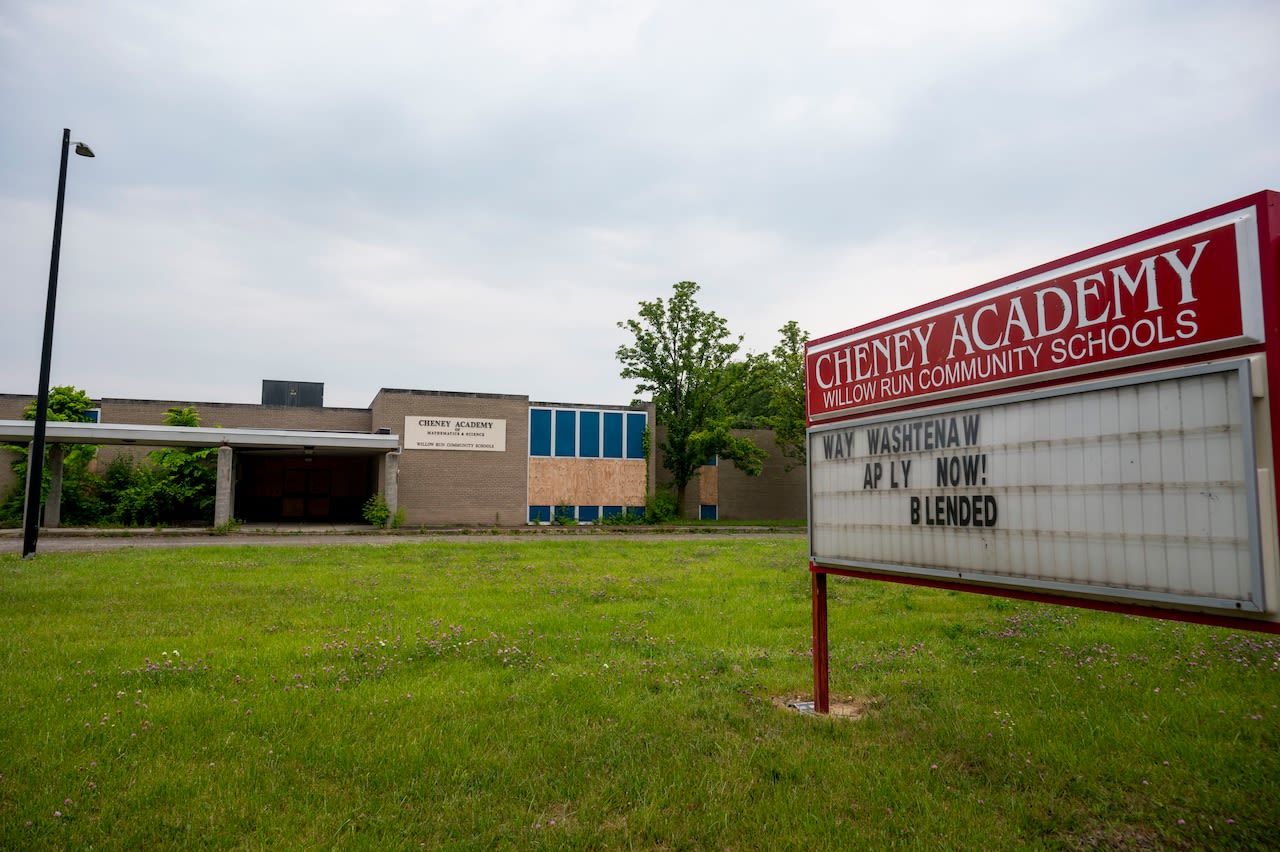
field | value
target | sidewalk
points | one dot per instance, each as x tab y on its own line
69	539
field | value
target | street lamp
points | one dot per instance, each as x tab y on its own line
35	461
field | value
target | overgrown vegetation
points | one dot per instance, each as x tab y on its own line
378	513
661	507
375	511
680	355
784	378
579	694
67	404
688	361
173	485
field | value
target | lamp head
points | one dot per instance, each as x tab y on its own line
83	150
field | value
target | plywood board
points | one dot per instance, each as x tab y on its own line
586	482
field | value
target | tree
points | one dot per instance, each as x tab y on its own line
786	394
67	404
680	355
751	403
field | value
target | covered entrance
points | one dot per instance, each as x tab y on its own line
304	487
266	474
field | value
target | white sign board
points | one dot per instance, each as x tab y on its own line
429	432
1141	488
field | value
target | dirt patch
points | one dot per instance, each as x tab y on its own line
852	709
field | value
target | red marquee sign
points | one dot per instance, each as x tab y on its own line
1190	291
1102	430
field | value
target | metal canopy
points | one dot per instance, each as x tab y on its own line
21	431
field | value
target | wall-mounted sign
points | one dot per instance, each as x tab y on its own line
1139	488
429	432
1193	289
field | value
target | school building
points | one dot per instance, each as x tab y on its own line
442	458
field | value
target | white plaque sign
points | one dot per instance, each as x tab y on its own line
428	432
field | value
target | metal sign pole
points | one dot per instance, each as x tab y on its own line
821	653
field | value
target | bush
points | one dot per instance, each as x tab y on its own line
623	519
176	486
376	511
661	508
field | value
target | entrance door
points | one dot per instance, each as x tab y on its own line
305	493
329	489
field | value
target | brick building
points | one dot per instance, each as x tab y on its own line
462	458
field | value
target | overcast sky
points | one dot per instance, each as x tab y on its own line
468	196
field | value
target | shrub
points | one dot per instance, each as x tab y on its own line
662	507
376	511
563	515
622	519
174	486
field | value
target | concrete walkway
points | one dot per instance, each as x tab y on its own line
72	539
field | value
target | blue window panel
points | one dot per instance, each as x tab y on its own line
635	435
566	433
613	434
540	432
588	513
707	513
539	514
713	461
589	434
612	511
635	511
564	511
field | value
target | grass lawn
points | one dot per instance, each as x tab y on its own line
619	693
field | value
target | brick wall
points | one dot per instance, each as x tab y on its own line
460	486
239	415
776	494
7	478
11	405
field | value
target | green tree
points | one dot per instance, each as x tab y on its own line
680	356
753	377
67	404
785	381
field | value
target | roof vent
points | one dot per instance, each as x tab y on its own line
293	394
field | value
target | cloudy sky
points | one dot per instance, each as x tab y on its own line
468	196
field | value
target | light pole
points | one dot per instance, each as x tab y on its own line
35	461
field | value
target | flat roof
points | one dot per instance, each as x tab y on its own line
57	432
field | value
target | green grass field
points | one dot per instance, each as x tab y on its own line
619	693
